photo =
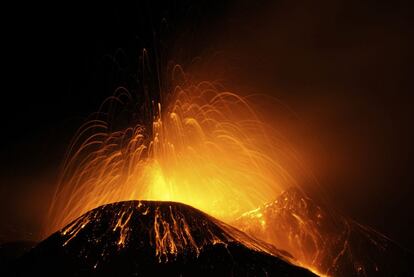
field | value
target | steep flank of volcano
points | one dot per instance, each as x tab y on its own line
147	238
321	238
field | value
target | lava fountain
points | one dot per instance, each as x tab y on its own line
201	146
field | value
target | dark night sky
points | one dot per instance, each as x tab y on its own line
344	67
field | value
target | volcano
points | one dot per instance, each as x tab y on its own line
323	239
149	238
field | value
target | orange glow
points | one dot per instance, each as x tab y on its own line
203	147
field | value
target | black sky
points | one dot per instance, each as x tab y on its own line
344	67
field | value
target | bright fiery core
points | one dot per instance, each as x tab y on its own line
203	147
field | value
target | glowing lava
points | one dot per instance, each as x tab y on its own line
324	240
153	238
202	147
209	149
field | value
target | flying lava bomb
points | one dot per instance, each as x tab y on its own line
162	197
183	176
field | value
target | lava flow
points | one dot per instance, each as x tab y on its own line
201	146
209	149
153	238
323	239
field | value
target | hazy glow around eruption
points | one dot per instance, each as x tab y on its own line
204	147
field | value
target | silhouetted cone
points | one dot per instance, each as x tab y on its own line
147	238
325	240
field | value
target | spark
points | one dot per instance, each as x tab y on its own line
203	147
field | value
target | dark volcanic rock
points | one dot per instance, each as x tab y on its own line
145	238
325	240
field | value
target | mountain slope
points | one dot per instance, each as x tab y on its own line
147	238
322	239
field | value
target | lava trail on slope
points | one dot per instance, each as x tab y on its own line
152	238
324	240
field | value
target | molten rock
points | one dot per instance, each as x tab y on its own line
146	238
325	240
